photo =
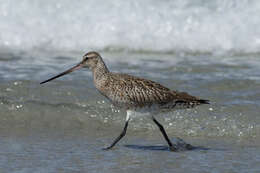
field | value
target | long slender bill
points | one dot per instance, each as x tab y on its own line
76	67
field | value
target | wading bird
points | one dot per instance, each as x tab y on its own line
134	94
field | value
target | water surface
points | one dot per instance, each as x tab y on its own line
63	125
209	49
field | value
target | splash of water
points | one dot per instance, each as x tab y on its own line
166	26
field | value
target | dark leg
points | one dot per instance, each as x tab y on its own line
172	148
119	137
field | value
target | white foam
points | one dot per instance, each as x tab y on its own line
148	25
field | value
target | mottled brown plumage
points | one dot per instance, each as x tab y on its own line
131	93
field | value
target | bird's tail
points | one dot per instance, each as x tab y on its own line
201	101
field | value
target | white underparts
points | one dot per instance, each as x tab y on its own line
138	113
128	114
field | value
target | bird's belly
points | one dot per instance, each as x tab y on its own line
120	102
143	112
154	110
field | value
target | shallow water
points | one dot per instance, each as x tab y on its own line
209	49
63	125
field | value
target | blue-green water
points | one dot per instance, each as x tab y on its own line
63	125
209	49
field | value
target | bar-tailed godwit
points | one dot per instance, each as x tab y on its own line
134	94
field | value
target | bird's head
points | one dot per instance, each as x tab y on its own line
90	60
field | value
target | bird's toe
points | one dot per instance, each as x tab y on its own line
173	148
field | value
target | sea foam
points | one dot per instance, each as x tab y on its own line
149	25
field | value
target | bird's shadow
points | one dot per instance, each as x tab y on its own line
178	143
164	148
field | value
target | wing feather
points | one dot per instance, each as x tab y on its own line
127	90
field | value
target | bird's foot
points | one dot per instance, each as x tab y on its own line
181	145
173	148
107	148
189	147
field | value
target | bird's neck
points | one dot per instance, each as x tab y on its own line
100	71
